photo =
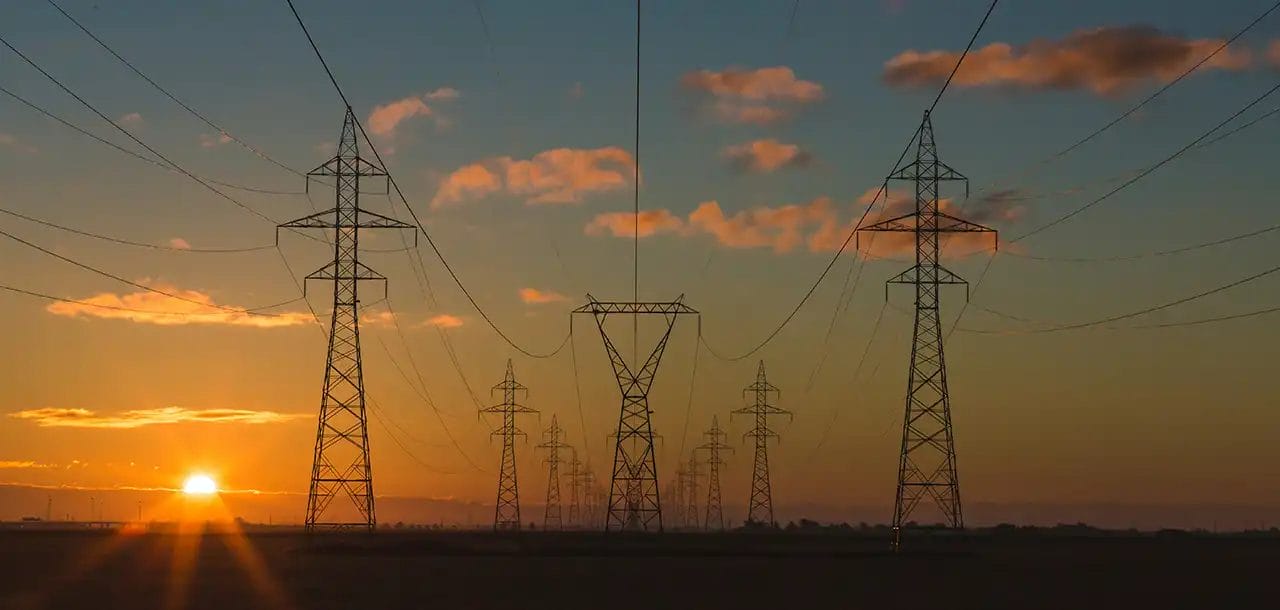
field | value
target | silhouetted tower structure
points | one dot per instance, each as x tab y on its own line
634	503
506	511
574	518
340	467
927	461
689	493
714	518
760	508
552	517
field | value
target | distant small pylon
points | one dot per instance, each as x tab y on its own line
575	482
552	517
760	508
715	444
689	487
506	511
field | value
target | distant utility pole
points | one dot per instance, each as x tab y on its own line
714	445
48	508
340	466
506	512
760	508
927	461
553	443
689	487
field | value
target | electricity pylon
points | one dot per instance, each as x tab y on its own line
553	443
689	492
575	481
927	462
340	467
714	445
760	508
506	511
634	503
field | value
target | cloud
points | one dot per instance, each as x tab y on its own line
1105	61
151	308
623	224
385	118
819	225
533	296
55	417
577	91
132	119
559	175
13	142
380	319
764	156
1273	53
761	96
214	140
179	243
22	464
445	320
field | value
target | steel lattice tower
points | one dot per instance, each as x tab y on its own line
760	508
714	445
553	443
340	468
689	493
634	503
575	476
506	511
927	463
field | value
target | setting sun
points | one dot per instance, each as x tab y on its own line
199	485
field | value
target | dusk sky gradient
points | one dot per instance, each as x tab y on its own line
515	156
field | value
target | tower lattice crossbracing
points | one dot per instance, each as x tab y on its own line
506	511
927	461
340	469
714	518
553	442
762	393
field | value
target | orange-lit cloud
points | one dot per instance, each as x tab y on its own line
22	464
151	308
55	417
533	296
212	141
1105	61
760	96
1273	53
623	224
819	225
179	243
385	118
767	155
559	175
445	320
133	119
11	141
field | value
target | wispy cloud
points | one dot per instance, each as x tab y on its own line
214	140
556	176
152	308
765	156
1105	61
628	224
12	142
23	465
760	96
386	118
133	119
533	296
55	417
444	320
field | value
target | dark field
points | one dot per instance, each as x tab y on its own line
70	570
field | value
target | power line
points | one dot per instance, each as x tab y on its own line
881	191
91	135
122	280
171	96
1136	107
391	179
183	314
1132	314
137	244
1158	253
1144	173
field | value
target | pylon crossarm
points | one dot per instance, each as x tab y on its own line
901	224
348	166
958	225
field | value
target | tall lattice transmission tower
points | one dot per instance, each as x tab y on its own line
760	508
506	511
340	469
714	444
553	442
634	503
689	493
927	463
575	483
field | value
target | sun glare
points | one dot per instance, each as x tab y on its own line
199	485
